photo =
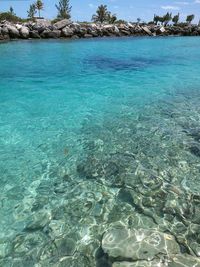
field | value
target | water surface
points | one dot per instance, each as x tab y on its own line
93	134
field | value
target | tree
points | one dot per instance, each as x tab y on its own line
156	19
189	19
138	20
175	19
12	11
112	18
167	18
39	6
64	9
102	14
32	11
162	19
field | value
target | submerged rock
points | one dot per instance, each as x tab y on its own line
138	244
38	221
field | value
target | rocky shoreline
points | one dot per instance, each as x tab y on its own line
44	29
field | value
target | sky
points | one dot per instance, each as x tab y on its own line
130	10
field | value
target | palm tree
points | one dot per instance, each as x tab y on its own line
175	19
156	19
64	9
167	18
32	11
12	11
39	6
189	19
101	15
138	20
112	18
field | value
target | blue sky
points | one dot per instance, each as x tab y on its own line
125	9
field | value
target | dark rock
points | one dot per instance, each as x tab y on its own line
75	37
4	30
51	34
34	34
13	32
88	35
195	150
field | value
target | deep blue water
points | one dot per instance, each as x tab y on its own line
78	121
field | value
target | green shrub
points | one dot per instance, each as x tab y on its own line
10	17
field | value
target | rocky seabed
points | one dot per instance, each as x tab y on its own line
126	202
43	29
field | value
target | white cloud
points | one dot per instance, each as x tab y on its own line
170	7
197	1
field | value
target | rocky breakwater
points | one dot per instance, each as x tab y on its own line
45	29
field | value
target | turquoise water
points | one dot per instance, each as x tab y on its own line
94	134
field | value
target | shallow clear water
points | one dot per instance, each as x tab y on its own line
95	134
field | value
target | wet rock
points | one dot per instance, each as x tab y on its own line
88	35
38	221
91	168
141	263
51	34
65	246
138	244
195	150
184	260
34	34
75	36
5	249
29	244
194	132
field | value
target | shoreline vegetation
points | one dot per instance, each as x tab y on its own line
104	24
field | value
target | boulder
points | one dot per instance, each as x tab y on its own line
51	34
76	27
137	245
18	26
116	30
34	34
88	35
62	24
75	37
162	29
67	32
125	32
42	23
24	31
4	30
13	32
147	31
176	261
1	37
